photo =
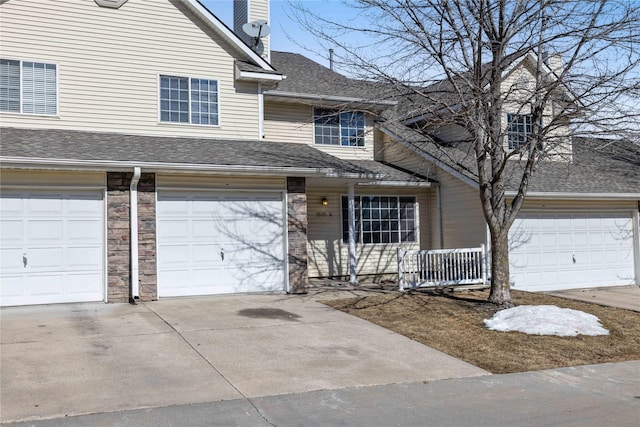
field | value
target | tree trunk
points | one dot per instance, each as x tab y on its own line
500	294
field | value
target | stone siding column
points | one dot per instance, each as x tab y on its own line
297	235
118	236
147	252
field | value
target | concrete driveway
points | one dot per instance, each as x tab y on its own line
64	360
627	297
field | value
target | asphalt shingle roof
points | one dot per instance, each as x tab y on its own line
68	145
307	77
100	146
607	167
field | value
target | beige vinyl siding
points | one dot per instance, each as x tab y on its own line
329	256
208	182
463	224
109	62
288	123
51	179
294	123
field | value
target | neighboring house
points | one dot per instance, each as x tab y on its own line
579	225
148	151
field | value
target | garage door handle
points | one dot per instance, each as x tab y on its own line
24	260
222	254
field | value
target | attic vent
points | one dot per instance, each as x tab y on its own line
113	4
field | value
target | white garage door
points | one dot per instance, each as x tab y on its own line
51	247
577	250
217	243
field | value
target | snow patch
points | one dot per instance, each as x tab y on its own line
546	320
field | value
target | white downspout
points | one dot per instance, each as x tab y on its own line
352	234
133	222
260	112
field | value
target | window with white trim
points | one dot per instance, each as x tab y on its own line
342	128
381	219
28	87
189	100
519	130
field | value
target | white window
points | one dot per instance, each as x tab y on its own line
519	130
28	87
333	127
188	100
381	219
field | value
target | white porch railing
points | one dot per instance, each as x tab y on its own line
442	267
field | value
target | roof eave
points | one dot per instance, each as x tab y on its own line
111	165
219	27
329	98
253	76
576	195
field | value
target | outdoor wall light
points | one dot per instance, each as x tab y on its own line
325	201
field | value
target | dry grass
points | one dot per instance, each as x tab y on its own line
453	324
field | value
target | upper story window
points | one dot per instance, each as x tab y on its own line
519	130
189	100
28	87
381	219
332	127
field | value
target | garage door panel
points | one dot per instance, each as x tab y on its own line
170	255
83	284
600	243
11	260
39	285
83	258
229	238
174	231
44	259
84	231
45	231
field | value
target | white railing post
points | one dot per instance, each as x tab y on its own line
400	270
483	263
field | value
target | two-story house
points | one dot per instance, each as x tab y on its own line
148	151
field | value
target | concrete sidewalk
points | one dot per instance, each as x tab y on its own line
67	360
596	395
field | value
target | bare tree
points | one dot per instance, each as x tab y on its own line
450	63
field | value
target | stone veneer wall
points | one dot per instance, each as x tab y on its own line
147	270
118	253
297	234
119	237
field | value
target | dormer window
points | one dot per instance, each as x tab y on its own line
189	100
28	87
519	130
342	128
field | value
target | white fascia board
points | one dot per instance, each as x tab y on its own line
435	161
328	98
410	184
104	165
225	31
577	196
253	76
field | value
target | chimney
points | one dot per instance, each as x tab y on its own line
248	11
553	61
